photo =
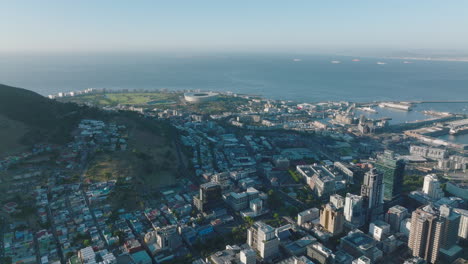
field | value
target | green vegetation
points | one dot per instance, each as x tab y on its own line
25	211
221	105
114	99
43	119
276	221
210	245
282	209
187	259
239	234
6	260
274	201
306	196
150	161
84	239
295	176
157	99
249	220
412	183
11	134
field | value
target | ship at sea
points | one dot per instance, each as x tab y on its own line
335	62
356	60
399	106
368	109
458	131
459	127
381	63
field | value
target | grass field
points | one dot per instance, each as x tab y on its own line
159	100
114	99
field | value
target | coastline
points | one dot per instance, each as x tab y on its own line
430	59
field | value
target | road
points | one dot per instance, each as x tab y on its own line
82	177
2	232
183	171
141	240
54	232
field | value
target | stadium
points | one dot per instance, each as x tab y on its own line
200	97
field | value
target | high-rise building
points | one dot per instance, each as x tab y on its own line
337	200
319	253
379	230
357	244
354	211
393	170
248	256
240	201
433	230
463	228
210	197
307	216
432	187
395	216
372	191
223	179
262	238
332	219
168	237
362	260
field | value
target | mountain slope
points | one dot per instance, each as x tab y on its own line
45	119
31	108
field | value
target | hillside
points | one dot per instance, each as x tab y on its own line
31	108
11	133
36	118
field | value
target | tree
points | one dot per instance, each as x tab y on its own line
276	216
6	260
249	220
274	200
86	243
69	254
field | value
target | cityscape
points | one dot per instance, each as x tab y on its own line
253	180
233	132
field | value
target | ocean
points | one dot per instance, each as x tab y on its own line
303	78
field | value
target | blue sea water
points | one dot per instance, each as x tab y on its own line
312	79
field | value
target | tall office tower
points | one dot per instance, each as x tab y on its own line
393	170
332	219
431	187
433	230
210	197
262	238
395	216
354	210
372	192
463	228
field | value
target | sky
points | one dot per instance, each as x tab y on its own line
237	25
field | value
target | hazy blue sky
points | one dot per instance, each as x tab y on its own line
89	25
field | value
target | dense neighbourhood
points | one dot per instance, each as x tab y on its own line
258	181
